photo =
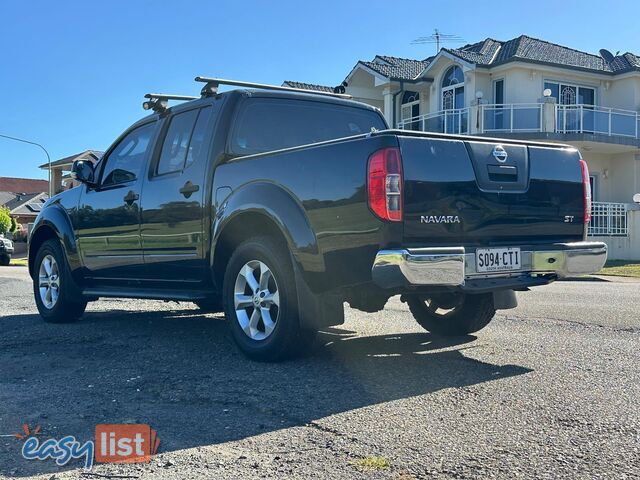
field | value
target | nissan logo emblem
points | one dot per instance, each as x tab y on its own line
500	154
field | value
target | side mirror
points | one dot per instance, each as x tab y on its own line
82	171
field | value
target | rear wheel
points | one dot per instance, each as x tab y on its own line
452	314
260	301
52	286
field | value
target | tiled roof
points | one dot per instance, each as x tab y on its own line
492	52
523	48
481	53
29	204
6	197
23	185
307	86
397	68
93	155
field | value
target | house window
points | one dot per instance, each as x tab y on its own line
572	118
498	92
452	89
568	94
410	109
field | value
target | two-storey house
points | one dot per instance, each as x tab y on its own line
530	89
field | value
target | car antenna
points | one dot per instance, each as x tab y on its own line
159	102
211	87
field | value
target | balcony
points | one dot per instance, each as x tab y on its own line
597	120
455	121
530	118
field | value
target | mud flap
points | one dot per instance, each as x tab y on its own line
317	310
504	299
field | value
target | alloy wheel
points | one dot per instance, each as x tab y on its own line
49	281
256	300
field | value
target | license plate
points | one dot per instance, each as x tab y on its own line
497	259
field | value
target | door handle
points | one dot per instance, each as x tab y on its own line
131	197
188	189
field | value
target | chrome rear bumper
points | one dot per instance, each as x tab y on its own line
451	266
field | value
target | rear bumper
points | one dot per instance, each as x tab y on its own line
453	266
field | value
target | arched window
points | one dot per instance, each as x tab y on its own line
410	109
453	88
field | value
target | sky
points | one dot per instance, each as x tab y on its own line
73	73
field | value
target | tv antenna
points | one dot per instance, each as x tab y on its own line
438	38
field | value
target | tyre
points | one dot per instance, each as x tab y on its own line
452	314
52	286
5	260
209	305
260	302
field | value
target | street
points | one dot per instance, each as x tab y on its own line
548	390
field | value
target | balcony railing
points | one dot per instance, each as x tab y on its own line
592	119
608	219
512	117
528	117
454	121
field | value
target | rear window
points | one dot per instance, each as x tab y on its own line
271	124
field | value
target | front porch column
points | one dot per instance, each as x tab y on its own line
475	116
388	106
548	124
56	180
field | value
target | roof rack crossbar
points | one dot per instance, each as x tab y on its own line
212	84
169	96
159	102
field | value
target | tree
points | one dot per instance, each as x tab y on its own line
14	225
5	220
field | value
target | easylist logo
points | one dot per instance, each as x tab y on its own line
125	443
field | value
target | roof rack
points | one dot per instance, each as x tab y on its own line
212	84
159	102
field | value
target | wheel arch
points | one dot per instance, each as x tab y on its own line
53	223
263	209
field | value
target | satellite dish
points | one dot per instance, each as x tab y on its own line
636	198
607	55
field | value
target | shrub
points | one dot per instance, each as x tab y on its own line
14	225
5	220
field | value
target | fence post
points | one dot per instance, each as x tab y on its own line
548	114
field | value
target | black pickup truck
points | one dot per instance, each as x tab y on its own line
278	206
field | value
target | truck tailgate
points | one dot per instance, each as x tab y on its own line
476	192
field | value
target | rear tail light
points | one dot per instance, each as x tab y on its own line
586	184
385	184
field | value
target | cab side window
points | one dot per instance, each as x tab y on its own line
126	160
184	141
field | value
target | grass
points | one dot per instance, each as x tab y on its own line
372	463
622	268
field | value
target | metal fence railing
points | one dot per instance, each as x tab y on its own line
609	219
600	120
455	121
512	117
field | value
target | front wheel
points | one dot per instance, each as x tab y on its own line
52	286
5	260
260	301
451	314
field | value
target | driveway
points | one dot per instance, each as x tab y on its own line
550	389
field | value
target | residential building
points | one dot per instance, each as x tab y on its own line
23	185
24	207
530	89
61	169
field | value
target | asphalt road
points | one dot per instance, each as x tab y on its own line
548	390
